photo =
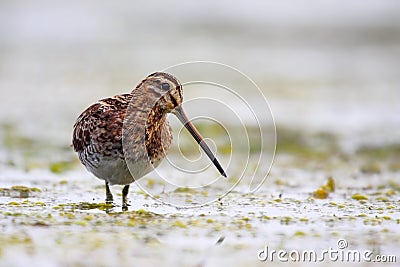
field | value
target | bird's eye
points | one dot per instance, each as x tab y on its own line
165	86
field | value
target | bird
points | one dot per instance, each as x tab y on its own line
120	139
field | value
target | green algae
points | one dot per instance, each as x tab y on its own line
61	166
384	152
371	168
19	191
83	206
184	190
318	146
320	193
378	158
27	153
12	139
180	224
299	233
323	192
359	197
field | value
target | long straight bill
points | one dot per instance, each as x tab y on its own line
197	136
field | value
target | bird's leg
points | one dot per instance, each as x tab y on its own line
109	196
125	191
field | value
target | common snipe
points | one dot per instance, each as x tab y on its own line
122	138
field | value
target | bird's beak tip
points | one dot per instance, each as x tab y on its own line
178	111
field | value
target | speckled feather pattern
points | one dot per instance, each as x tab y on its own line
99	131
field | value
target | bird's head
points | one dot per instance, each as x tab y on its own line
167	92
165	88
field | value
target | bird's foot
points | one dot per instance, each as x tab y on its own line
109	200
125	204
109	196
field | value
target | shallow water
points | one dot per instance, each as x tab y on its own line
65	214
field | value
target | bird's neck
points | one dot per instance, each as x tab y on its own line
145	128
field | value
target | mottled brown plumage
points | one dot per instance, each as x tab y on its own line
122	138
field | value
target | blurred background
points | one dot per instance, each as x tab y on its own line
323	66
330	71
